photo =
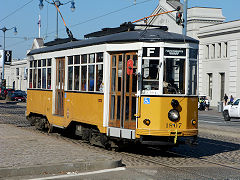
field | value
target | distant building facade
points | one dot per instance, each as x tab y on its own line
219	60
16	75
216	74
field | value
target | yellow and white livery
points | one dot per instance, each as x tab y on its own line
137	86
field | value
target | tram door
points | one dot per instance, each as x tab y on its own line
60	74
123	88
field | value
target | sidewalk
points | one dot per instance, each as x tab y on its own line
26	152
212	111
227	128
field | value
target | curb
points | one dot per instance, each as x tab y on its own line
60	168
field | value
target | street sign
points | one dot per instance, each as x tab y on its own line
7	57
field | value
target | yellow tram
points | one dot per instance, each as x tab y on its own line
136	86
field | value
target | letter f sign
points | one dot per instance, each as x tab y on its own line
150	51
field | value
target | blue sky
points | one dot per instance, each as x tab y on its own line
89	16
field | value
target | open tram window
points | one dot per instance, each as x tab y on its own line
150	69
174	76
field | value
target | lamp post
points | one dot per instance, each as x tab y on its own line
58	4
185	17
4	29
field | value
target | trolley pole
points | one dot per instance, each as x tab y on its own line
184	31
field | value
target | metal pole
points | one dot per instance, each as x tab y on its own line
3	55
184	32
57	26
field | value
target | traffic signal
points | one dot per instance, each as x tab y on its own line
4	83
179	18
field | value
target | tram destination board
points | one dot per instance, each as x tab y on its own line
174	51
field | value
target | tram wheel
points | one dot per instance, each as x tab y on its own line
40	123
226	116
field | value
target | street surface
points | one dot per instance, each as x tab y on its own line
217	156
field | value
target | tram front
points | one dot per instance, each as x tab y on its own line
167	95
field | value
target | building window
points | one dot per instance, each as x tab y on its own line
225	50
212	51
210	85
218	49
17	71
207	52
222	77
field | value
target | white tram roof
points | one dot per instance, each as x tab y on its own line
150	35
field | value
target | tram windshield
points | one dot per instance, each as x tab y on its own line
174	76
150	74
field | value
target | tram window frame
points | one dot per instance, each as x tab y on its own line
192	79
174	87
88	61
70	69
146	77
39	74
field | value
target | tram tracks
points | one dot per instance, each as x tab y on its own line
153	158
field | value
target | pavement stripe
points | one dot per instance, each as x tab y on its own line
211	122
73	174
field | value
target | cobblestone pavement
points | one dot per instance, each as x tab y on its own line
213	151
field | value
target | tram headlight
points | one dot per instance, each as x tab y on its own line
173	115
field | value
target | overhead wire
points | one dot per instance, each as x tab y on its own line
109	13
83	22
16	10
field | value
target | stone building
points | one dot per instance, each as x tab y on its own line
219	64
16	75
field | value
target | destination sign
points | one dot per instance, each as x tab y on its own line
174	51
151	52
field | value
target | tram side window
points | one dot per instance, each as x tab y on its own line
49	78
99	57
174	76
49	63
39	78
44	78
76	78
84	78
150	69
30	78
70	77
91	78
99	77
192	82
